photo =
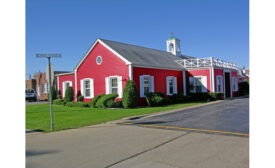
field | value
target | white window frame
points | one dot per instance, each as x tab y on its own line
203	84
174	85
221	84
63	86
119	85
43	88
151	84
82	88
234	84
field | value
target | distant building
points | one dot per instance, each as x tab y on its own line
108	65
243	75
40	84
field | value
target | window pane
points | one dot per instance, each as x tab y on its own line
114	90
87	84
114	82
170	81
146	81
87	93
146	90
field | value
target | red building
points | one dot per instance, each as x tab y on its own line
108	65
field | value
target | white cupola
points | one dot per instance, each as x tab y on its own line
173	46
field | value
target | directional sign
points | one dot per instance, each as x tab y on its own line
52	73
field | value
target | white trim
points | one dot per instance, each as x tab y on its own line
63	87
61	74
174	84
105	45
212	79
157	67
184	82
141	81
121	57
96	60
130	71
57	84
91	88
221	78
119	85
75	81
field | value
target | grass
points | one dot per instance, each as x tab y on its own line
38	116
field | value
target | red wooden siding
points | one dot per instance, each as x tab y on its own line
111	66
64	78
199	72
159	79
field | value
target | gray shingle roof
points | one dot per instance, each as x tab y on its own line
142	56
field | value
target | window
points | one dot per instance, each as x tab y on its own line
99	60
44	87
65	85
146	85
219	84
171	85
235	84
198	84
113	85
87	88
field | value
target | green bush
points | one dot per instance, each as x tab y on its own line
69	94
243	88
180	98
117	104
59	102
80	98
200	96
95	99
59	96
77	104
53	93
157	99
216	95
106	101
130	95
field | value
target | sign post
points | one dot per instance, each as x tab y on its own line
49	56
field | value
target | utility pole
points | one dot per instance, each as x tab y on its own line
49	56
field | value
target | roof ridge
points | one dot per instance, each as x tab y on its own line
136	45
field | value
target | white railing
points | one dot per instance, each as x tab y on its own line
206	62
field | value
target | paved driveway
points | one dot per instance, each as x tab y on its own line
229	116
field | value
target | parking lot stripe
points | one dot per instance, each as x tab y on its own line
188	129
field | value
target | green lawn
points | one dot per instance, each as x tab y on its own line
38	116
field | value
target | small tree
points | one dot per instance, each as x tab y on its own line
69	94
53	93
130	95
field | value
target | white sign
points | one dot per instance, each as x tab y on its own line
52	73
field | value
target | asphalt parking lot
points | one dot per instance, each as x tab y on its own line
226	117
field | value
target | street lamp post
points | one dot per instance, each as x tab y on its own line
49	56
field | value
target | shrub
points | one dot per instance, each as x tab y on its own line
77	104
53	93
157	99
80	98
216	95
95	99
117	104
59	102
106	101
243	88
59	96
130	95
69	94
200	96
180	98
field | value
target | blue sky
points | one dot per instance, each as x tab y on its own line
218	28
